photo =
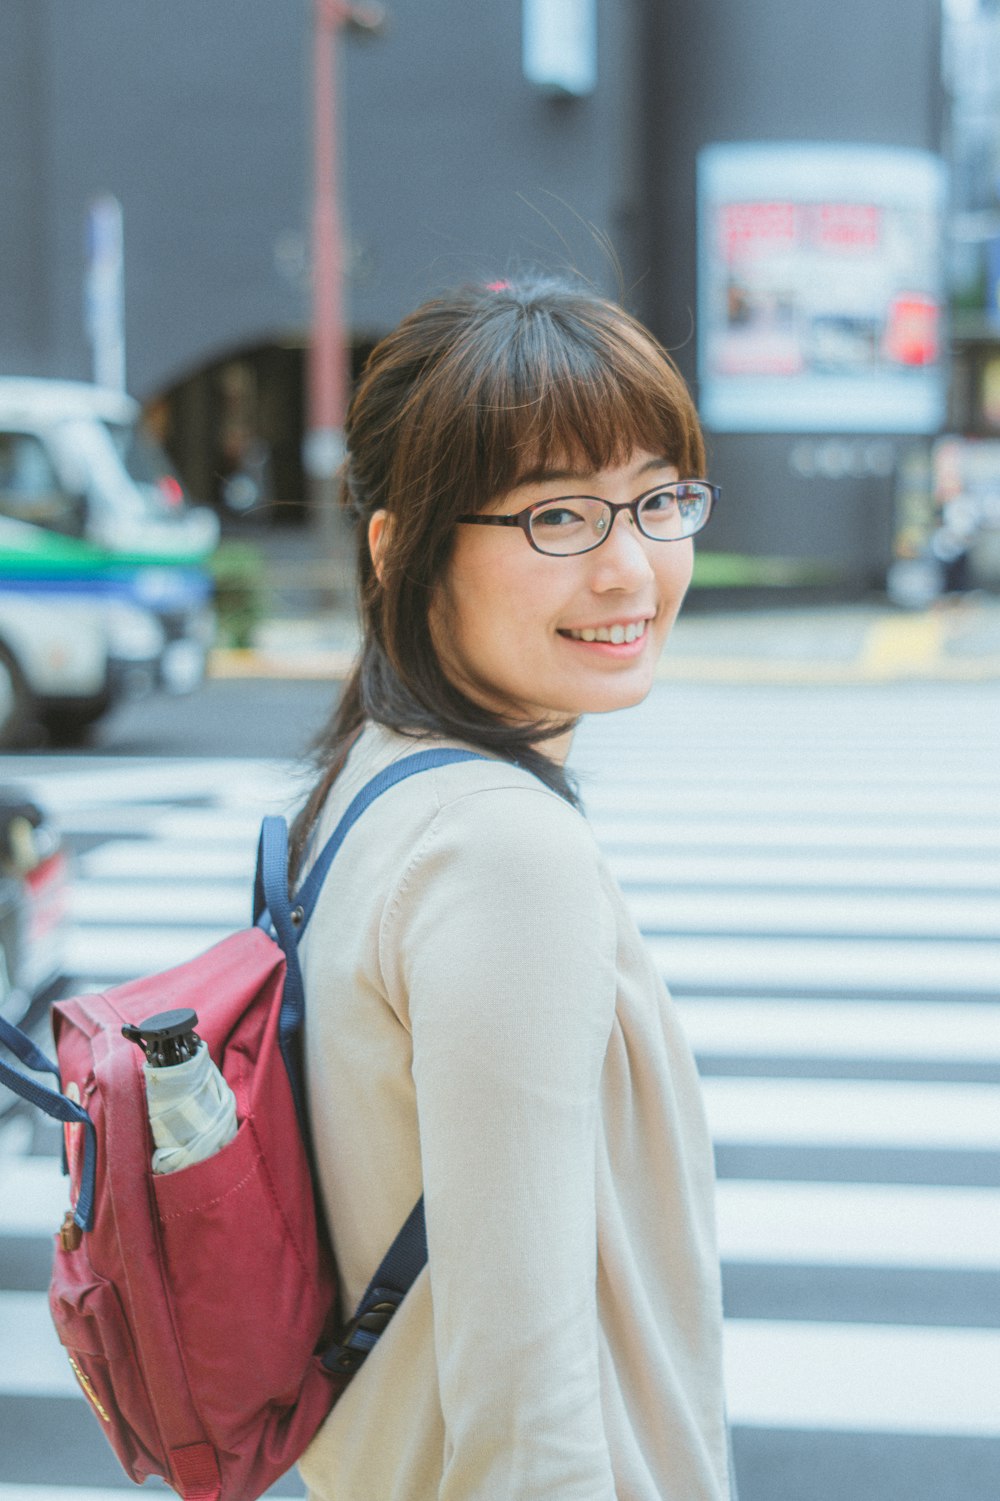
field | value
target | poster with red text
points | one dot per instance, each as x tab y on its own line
820	295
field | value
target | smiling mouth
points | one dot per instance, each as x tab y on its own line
616	634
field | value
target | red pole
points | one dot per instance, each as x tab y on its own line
327	355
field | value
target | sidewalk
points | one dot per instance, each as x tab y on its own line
312	633
848	643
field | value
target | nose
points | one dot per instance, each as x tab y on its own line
622	561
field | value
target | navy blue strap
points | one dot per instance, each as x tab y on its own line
288	920
272	877
409	766
408	1253
22	1047
55	1104
397	1273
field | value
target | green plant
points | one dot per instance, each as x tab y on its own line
238	574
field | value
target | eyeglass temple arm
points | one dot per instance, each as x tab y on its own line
492	520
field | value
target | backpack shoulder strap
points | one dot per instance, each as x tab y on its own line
406	1256
398	771
56	1105
271	882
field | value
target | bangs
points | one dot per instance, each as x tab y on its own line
579	388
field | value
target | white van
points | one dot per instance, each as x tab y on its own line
76	460
104	586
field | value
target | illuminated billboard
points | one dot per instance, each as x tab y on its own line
820	289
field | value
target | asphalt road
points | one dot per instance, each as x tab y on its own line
228	717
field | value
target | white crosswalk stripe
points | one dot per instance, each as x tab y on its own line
677	831
118	902
819	879
864	1377
880	1030
71	1493
855	1112
682	870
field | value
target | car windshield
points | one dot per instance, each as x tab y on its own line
145	462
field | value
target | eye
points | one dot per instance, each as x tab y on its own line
660	504
557	518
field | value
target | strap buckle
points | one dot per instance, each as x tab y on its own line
362	1333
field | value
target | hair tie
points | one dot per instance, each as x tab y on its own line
498	286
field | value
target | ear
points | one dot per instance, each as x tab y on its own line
378	531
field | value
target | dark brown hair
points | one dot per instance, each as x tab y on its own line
470	393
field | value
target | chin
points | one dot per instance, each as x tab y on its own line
609	706
607	697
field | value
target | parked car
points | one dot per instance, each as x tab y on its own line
76	460
97	539
33	903
65	659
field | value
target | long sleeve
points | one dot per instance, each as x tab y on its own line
485	1026
503	943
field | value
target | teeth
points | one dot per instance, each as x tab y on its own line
613	633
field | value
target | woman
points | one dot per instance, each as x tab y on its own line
484	1024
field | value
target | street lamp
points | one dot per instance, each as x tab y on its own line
328	374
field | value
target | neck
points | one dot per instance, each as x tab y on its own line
556	749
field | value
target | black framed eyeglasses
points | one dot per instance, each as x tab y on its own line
571	524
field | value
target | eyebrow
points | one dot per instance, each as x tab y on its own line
541	474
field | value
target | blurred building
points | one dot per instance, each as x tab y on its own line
972	80
473	143
822	482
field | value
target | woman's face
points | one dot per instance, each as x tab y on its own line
506	621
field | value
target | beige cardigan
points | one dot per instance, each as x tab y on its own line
485	1026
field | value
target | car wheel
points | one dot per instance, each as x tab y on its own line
15	703
70	726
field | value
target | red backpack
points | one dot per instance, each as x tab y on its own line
198	1308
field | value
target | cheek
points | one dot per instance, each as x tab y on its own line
497	585
471	611
674	570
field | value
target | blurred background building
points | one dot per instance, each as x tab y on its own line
160	152
972	80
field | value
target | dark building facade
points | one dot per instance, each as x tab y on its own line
454	166
782	71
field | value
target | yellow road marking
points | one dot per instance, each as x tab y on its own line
903	645
309	663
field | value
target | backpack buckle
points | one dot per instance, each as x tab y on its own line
362	1333
70	1234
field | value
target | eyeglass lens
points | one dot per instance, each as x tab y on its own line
578	523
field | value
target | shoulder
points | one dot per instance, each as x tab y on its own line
503	897
494	812
461	826
478	797
493	840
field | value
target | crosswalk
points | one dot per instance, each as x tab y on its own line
818	876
